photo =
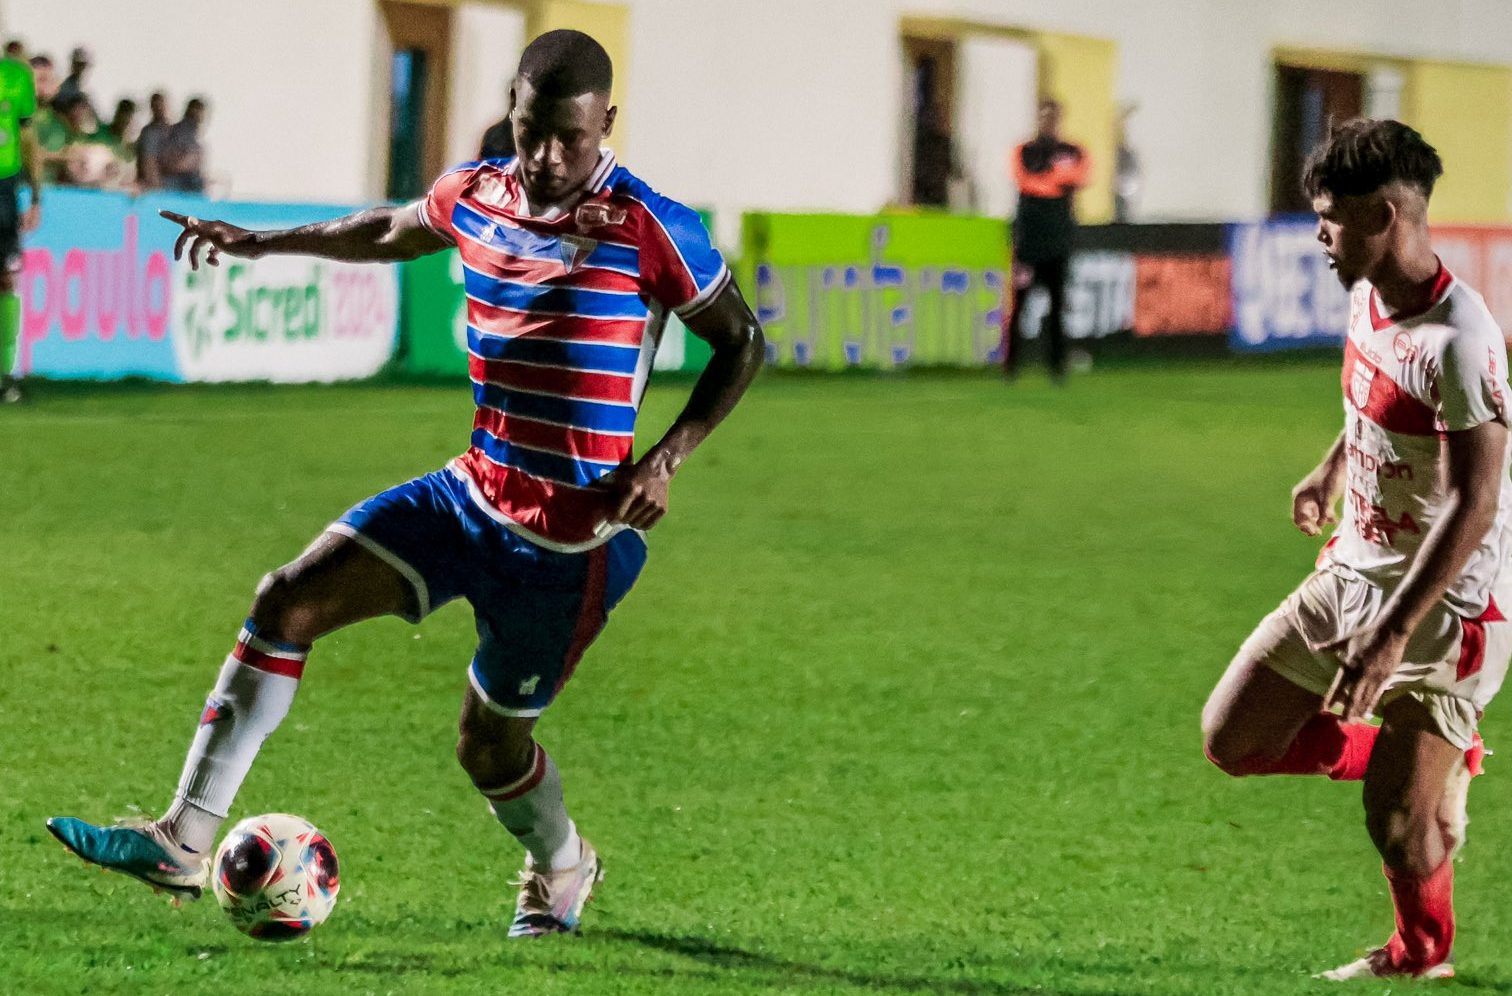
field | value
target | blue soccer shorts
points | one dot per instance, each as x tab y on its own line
536	609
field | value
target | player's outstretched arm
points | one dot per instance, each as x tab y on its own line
377	235
726	324
1314	496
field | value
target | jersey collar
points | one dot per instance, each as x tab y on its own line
1380	321
596	181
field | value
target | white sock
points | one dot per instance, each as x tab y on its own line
532	809
256	687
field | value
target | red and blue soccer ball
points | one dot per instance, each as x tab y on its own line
276	877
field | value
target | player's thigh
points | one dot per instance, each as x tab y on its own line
1406	786
334	583
1259	704
538	614
492	747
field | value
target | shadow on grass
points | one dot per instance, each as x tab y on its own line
729	957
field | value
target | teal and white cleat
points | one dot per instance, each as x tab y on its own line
552	902
132	850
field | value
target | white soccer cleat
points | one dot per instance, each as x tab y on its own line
1375	965
551	902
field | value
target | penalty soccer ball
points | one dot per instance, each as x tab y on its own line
275	876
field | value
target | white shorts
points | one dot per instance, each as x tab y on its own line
1453	665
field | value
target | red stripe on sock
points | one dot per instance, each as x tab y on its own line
520	788
286	666
1424	918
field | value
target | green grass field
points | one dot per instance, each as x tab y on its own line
906	700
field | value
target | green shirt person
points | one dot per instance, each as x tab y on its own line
18	102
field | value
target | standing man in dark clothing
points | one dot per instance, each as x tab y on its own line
1048	172
181	159
149	143
73	85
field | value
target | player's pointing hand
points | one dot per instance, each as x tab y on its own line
215	237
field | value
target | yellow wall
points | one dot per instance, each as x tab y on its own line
607	22
1079	72
1465	111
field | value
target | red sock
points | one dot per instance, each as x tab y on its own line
1325	745
1424	919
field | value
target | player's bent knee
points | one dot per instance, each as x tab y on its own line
282	610
491	761
1228	755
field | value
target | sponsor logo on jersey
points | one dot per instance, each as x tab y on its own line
597	214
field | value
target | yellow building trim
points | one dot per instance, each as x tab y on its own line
1345	61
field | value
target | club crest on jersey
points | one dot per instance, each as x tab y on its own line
1360	378
597	214
574	250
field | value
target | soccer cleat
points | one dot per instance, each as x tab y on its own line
11	393
1377	965
132	851
551	902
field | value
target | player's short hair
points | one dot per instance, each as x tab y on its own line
1363	155
40	62
566	63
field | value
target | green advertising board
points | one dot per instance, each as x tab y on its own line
885	291
433	323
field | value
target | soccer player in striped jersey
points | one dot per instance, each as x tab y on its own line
571	265
1403	616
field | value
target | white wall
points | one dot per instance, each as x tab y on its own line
796	105
289	81
488	40
737	104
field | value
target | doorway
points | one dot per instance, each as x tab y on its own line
418	107
1309	102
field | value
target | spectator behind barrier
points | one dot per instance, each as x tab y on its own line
183	154
85	158
149	144
45	77
73	85
122	132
